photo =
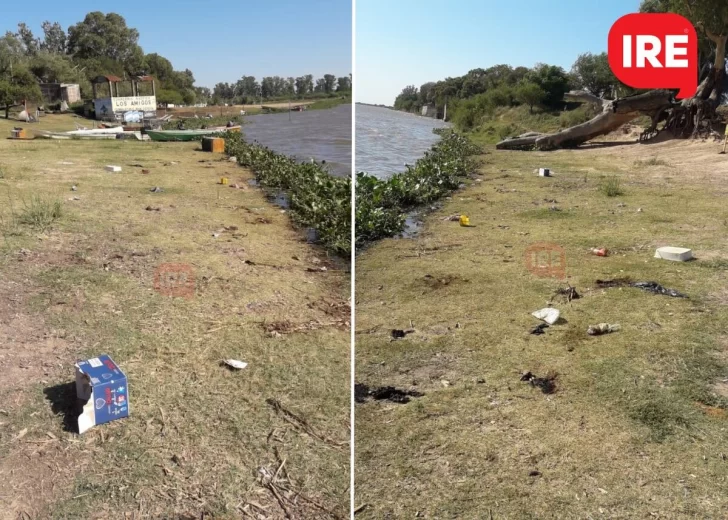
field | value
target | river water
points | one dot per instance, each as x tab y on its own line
387	139
324	135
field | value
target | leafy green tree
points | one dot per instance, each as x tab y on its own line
102	35
591	72
320	85
159	67
169	97
530	94
18	87
55	38
553	80
329	83
246	88
31	44
407	99
290	89
343	84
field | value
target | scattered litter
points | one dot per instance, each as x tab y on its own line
621	205
151	208
465	221
223	181
534	473
215	235
676	254
547	314
399	333
569	293
546	384
656	288
639	210
233	159
231	228
136	165
599	251
602	328
112	168
75	198
101	385
544	172
317	269
74	188
236	364
156	189
145	172
539	329
396	395
652	287
452	218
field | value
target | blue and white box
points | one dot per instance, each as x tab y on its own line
102	387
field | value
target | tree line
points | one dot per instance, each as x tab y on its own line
103	44
100	44
247	89
475	96
479	92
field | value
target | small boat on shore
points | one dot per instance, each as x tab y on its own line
188	135
94	133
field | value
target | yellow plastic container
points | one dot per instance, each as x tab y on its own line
223	181
464	221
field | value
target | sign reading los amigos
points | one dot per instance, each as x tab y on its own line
655	50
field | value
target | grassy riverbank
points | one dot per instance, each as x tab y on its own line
638	420
382	205
80	281
316	199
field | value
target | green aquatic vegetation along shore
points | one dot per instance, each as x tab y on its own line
316	199
381	205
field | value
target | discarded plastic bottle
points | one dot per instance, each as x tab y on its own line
599	251
602	328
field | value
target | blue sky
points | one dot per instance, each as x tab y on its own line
404	42
221	40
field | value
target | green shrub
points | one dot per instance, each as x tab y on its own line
40	212
611	186
316	198
381	205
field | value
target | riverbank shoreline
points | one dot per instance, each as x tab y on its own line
505	448
82	253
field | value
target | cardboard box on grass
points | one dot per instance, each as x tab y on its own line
101	387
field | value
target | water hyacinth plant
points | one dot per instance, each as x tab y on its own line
381	205
316	199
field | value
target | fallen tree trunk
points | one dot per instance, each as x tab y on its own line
614	114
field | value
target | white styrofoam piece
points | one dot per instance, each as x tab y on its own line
112	168
547	314
676	254
234	363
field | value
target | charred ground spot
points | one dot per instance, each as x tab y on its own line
363	393
546	384
652	287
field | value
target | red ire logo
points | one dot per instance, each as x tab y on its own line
655	50
175	280
546	260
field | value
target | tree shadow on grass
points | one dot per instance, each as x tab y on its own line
65	403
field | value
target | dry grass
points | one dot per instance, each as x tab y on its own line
201	439
637	426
